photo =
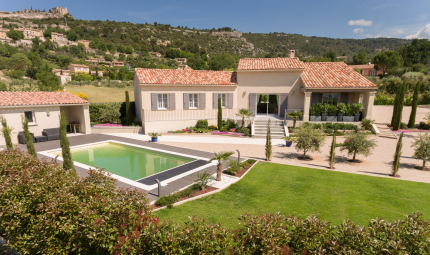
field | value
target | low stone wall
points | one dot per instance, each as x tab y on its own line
383	113
101	130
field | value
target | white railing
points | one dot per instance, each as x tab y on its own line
181	114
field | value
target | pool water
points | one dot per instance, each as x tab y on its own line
127	161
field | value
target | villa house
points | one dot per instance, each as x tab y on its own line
117	63
78	68
181	60
155	54
42	110
3	32
367	70
175	99
59	38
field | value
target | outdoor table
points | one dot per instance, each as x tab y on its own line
40	139
73	126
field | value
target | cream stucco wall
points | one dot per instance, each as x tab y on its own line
13	118
79	114
270	82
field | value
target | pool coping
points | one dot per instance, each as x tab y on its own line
48	153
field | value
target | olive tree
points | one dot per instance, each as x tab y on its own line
309	139
422	148
358	143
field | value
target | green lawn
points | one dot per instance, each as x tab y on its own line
332	196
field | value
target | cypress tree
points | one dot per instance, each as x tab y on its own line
395	105
28	137
268	143
219	114
411	123
332	158
6	131
397	155
398	106
128	114
65	144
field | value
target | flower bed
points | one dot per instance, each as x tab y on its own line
108	125
183	195
243	170
226	133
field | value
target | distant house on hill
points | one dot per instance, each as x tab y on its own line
86	43
367	70
78	68
342	58
155	54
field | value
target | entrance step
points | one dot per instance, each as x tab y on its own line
385	131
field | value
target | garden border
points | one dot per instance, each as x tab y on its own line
209	193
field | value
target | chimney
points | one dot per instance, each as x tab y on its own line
292	52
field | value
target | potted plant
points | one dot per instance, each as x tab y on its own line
341	109
315	112
264	99
288	140
154	136
324	109
332	113
356	108
348	117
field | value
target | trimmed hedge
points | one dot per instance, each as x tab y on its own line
46	210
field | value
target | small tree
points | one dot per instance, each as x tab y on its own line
332	158
397	155
6	132
411	123
128	114
295	116
28	137
309	139
220	156
422	148
65	144
268	143
358	143
244	114
396	119
219	113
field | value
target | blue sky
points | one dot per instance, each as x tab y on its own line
328	18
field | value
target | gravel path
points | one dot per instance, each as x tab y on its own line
377	164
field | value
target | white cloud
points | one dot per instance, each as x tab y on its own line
358	30
360	22
399	31
373	36
422	34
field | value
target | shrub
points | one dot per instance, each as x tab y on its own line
233	167
341	107
212	127
202	124
422	148
366	124
332	110
202	180
403	125
414	76
6	132
110	113
245	131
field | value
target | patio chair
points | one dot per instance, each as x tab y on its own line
21	137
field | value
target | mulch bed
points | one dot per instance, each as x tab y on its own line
421	168
194	194
241	172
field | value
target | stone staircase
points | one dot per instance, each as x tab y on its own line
385	131
276	128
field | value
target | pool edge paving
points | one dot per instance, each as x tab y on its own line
152	195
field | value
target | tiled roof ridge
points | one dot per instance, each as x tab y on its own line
31	98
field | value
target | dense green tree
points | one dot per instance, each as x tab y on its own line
331	55
28	138
71	36
411	123
360	58
398	106
19	61
129	49
102	46
309	139
15	35
418	52
358	143
387	61
47	81
65	144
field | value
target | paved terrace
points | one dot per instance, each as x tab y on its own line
152	194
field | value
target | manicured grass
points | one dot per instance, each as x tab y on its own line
332	196
103	94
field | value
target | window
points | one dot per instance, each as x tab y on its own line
330	98
162	101
193	101
372	72
30	116
223	100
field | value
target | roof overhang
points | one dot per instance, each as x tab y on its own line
39	105
371	89
187	85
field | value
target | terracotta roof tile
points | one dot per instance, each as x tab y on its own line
39	98
185	77
270	64
333	75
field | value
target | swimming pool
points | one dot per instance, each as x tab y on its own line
136	165
126	161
